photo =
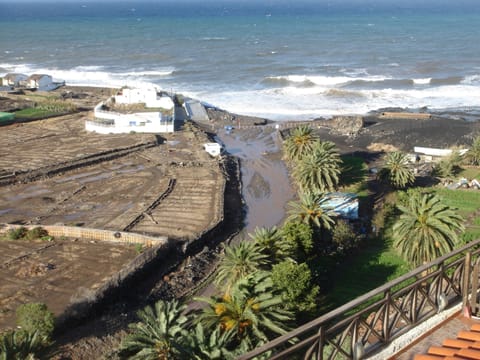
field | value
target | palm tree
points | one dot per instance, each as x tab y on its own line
251	310
300	142
206	345
309	210
20	345
160	333
426	229
473	154
319	170
396	170
448	167
270	243
239	261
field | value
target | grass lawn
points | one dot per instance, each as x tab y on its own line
376	261
466	201
372	265
354	170
470	173
34	113
354	175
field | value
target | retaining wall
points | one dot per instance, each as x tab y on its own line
94	234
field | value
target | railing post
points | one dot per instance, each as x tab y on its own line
438	283
386	316
321	343
465	284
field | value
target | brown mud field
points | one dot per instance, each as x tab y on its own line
64	175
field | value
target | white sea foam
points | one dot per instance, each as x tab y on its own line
287	97
472	79
152	73
422	81
328	81
293	103
214	38
93	75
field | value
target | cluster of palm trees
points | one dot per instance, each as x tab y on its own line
262	289
316	164
425	228
265	284
397	171
316	168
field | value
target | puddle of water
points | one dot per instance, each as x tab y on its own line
96	178
71	217
132	169
29	192
75	177
5	211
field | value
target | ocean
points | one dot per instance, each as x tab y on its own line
283	60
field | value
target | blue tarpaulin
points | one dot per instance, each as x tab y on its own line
343	204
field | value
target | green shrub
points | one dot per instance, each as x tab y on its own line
343	236
299	239
16	234
296	285
20	345
139	248
35	317
36	233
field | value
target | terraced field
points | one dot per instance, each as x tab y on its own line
57	273
194	205
52	172
120	193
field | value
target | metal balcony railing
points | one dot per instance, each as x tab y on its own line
370	322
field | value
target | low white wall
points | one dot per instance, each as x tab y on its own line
436	152
153	122
94	234
100	128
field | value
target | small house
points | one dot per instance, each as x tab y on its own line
214	149
13	79
41	82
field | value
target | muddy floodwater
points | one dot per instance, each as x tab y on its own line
266	186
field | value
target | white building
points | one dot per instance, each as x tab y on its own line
148	96
214	149
13	79
107	121
40	82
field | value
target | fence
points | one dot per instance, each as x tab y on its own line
371	322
